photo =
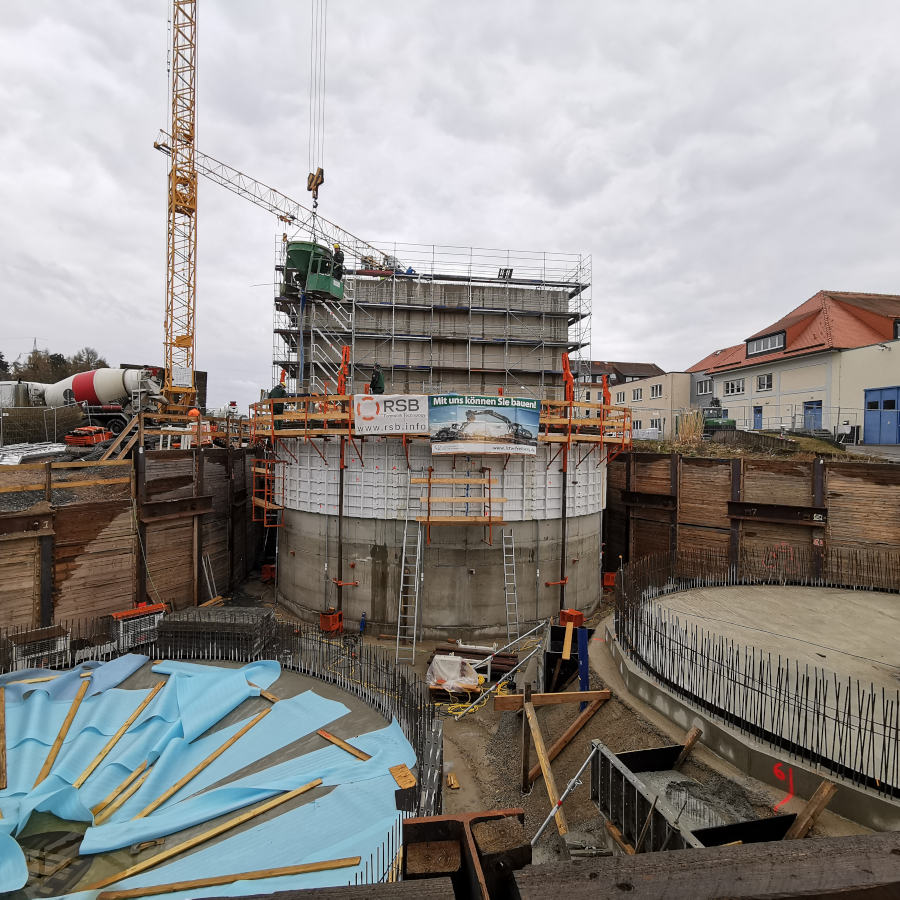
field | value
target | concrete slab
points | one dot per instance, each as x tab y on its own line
885	451
852	633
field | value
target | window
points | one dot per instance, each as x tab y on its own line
734	387
871	404
656	423
766	344
636	424
637	393
587	395
620	396
655	391
764	382
704	386
896	329
889	404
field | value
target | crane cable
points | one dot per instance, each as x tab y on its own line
318	40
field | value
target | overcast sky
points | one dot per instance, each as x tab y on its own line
720	161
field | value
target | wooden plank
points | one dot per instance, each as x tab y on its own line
402	775
2	739
479	499
526	744
302	869
175	788
618	837
454	481
160	510
359	754
563	741
90	482
92	765
567	640
268	695
811	812
126	781
561	824
692	737
460	520
63	731
514	701
132	789
203	837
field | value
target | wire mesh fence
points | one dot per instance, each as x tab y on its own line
367	672
846	726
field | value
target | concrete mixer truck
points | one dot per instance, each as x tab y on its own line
109	397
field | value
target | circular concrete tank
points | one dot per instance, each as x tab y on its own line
462	580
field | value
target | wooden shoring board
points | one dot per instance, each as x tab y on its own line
338	742
92	765
807	816
172	887
514	701
567	640
63	731
195	841
461	520
483	500
561	825
563	741
175	788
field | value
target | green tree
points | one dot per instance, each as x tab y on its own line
85	359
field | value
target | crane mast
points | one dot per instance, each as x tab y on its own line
181	246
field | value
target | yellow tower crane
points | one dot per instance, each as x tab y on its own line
181	246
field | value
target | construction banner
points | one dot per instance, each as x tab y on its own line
390	414
466	423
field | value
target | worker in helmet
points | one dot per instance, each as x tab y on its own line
338	257
376	385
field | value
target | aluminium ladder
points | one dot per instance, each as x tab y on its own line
410	580
510	592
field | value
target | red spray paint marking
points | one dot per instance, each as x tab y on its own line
779	774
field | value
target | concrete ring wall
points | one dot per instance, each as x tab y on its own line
462	592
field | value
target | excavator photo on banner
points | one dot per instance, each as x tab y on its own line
484	425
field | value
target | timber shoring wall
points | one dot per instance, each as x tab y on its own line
88	539
786	510
841	724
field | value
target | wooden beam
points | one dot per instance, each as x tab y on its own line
478	499
198	839
63	731
526	745
80	780
111	796
402	775
2	739
811	812
185	507
338	742
175	788
264	693
561	824
692	737
303	869
453	481
461	520
567	640
618	837
132	789
563	741
514	701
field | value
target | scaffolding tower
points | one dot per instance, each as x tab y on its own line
438	319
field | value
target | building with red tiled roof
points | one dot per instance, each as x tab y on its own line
788	375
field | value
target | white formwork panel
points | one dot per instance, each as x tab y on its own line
375	487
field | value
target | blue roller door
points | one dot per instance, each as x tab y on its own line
881	425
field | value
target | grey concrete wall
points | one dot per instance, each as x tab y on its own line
462	593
